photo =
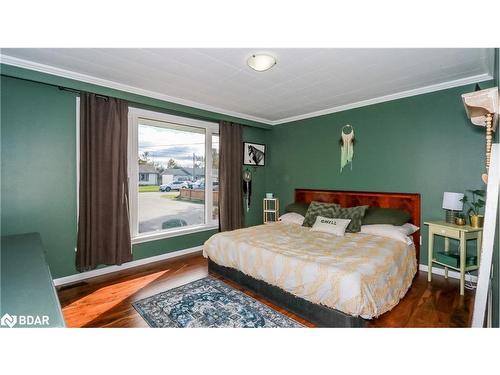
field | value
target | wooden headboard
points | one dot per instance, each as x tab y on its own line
407	201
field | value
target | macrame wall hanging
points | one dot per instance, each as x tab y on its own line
247	187
347	141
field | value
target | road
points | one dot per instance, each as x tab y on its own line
154	212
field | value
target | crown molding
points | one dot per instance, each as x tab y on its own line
48	69
390	97
26	64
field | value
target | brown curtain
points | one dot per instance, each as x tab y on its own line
230	176
103	221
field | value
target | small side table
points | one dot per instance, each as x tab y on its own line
271	209
461	233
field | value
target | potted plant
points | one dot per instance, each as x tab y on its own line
475	204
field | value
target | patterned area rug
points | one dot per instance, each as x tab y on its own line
209	302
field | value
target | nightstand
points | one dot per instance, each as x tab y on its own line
271	209
459	262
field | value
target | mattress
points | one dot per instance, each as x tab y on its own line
359	274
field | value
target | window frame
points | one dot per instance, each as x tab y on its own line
210	129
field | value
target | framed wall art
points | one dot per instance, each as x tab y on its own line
254	154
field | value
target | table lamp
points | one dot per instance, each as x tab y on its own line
452	204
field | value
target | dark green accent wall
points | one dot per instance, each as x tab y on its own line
423	144
38	176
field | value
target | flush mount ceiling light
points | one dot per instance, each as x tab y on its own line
261	62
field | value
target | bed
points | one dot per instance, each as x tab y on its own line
330	281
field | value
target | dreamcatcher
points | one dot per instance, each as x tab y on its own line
346	141
247	187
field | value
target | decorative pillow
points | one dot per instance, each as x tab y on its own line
319	209
397	233
292	218
329	225
378	215
297	207
355	214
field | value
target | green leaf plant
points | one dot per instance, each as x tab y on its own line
476	203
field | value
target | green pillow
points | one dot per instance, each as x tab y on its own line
319	209
297	207
356	215
378	215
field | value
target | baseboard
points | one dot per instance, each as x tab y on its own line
451	273
135	263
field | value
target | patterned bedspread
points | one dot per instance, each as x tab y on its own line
358	274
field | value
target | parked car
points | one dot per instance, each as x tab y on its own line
174	185
201	185
198	183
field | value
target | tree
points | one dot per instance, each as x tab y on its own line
144	158
198	161
159	168
215	158
172	164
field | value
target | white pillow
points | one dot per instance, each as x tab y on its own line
329	225
292	218
397	233
409	228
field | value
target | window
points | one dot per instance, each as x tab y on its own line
173	174
215	177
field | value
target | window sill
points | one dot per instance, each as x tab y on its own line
172	233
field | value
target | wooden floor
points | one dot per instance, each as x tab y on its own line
106	301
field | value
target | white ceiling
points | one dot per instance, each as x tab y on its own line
304	82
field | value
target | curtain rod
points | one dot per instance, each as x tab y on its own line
62	88
69	89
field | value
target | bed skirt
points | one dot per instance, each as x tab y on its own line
320	315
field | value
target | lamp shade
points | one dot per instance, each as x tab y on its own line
451	201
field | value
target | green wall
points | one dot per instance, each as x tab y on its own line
38	176
423	144
254	214
137	100
419	144
39	168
